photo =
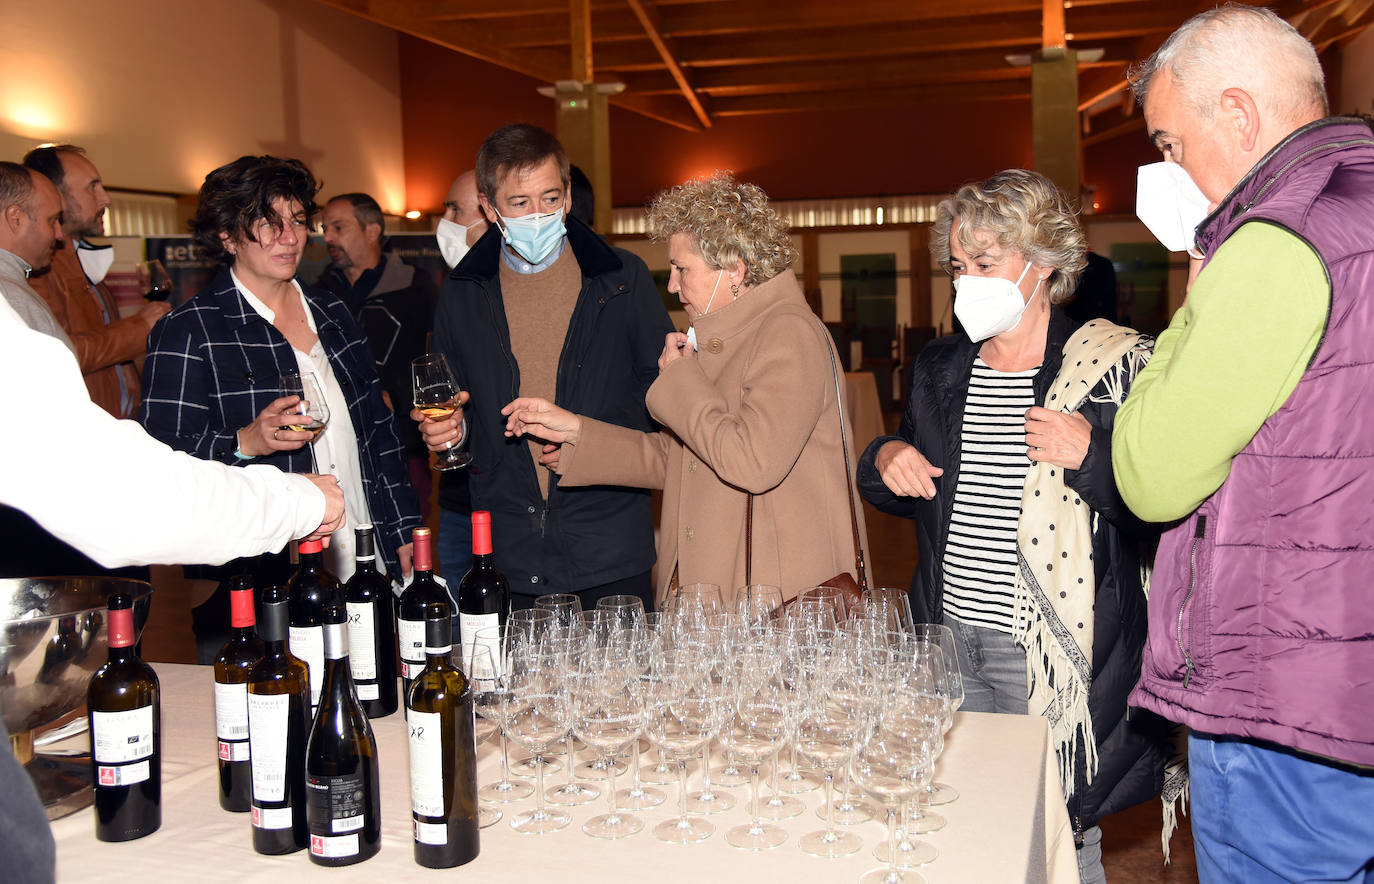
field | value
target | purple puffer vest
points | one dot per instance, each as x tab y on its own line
1262	601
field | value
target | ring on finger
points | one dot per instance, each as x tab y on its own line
274	434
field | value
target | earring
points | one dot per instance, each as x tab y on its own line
734	290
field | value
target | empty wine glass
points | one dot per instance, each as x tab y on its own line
628	610
918	673
540	714
491	700
943	638
609	712
680	716
437	397
839	698
710	642
890	605
754	731
488	699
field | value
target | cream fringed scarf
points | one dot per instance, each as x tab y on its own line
1055	583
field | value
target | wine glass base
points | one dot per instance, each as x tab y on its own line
718	802
535	822
505	791
797	783
487	816
683	830
938	793
658	775
756	837
642	800
849	814
528	767
926	823
596	770
781	807
612	826
909	854
831	844
572	795
450	459
892	876
729	775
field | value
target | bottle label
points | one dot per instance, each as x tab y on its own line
233	750
426	763
331	846
362	643
272	817
268	721
231	711
119	737
337	804
468	625
123	774
307	644
411	636
368	691
431	833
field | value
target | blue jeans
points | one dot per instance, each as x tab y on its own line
453	547
1263	814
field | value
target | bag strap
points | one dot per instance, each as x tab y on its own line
860	572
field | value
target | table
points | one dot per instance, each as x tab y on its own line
865	412
1009	824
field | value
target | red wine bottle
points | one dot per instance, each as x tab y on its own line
484	593
232	666
343	800
123	702
278	723
371	629
410	624
312	590
443	756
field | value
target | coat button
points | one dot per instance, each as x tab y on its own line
530	510
715	345
691	466
251	376
534	578
689	533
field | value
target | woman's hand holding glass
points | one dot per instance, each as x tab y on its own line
269	432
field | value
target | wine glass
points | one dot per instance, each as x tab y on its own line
858	643
540	714
758	603
709	641
755	730
890	605
610	711
839	698
628	610
917	671
809	626
436	396
487	693
311	414
491	700
680	716
943	638
891	755
156	284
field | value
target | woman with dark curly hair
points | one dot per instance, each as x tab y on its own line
747	399
213	377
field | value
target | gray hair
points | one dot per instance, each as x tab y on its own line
16	187
1245	46
1022	211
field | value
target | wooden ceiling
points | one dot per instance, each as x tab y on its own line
692	62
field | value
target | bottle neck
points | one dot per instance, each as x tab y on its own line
121	635
365	564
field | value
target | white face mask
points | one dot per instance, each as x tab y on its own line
95	261
990	305
453	241
692	331
1170	204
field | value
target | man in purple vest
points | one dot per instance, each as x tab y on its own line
1253	430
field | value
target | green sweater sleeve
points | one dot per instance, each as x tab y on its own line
1230	358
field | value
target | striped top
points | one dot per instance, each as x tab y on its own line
980	552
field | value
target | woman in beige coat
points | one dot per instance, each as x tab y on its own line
747	401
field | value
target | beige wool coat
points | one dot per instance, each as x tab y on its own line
754	410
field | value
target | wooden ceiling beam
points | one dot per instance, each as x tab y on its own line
844	99
668	109
648	17
580	39
1131	126
1052	24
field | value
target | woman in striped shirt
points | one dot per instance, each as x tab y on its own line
1003	460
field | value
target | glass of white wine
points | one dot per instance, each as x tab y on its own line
436	396
312	414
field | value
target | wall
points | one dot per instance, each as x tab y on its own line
1356	92
162	91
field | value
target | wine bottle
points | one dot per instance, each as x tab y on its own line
410	623
371	629
232	666
312	589
278	723
443	757
484	593
123	702
343	799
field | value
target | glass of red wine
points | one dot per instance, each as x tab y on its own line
436	396
157	285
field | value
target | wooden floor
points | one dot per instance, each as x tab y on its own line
1131	840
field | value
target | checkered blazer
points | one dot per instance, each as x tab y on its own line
214	364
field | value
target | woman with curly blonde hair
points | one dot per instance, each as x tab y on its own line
747	401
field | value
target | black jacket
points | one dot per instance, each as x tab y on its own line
1130	749
582	537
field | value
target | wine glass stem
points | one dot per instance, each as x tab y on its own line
754	810
505	759
568	741
610	782
892	843
539	786
773	777
829	805
636	788
682	792
706	771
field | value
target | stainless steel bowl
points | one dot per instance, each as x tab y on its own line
53	637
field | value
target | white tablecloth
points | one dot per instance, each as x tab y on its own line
1008	825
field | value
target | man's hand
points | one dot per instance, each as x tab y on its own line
906	471
442	433
152	311
674	348
1057	438
406	554
333	506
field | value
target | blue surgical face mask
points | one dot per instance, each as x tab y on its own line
535	235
